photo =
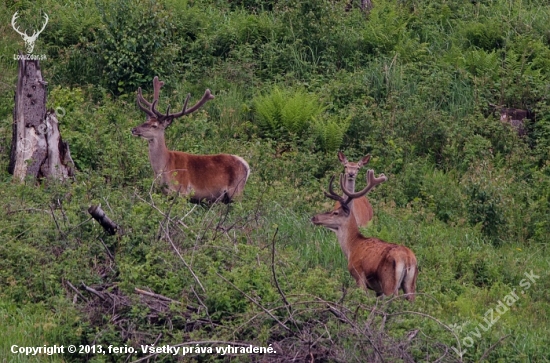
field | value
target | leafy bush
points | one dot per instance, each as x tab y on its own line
486	35
289	113
330	132
283	112
485	201
135	43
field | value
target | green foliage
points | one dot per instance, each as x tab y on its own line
286	111
330	132
135	43
288	114
486	35
409	83
485	205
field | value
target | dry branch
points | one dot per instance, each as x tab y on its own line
99	215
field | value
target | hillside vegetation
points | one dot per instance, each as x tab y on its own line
295	81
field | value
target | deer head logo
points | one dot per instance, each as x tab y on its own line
29	40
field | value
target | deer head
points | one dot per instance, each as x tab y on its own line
157	122
29	40
340	217
352	169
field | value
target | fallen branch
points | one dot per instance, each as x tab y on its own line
93	291
156	296
76	290
99	215
107	250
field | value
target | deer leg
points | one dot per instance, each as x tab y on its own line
409	283
226	199
389	274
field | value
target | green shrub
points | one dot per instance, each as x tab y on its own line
135	43
486	35
330	132
283	112
286	114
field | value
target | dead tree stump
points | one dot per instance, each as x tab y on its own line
37	149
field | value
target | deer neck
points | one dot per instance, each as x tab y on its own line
158	155
348	235
350	184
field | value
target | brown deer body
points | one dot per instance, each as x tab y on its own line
362	209
374	264
206	177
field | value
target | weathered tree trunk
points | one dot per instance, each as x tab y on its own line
37	149
366	5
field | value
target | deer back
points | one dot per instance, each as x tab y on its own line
362	211
208	177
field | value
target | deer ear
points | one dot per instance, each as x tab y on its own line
364	161
167	122
342	158
346	207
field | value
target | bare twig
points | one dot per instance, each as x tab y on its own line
273	270
93	291
203	305
107	250
55	220
492	347
78	225
434	319
156	296
182	259
76	290
152	205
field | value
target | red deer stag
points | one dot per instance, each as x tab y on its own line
205	177
362	209
375	264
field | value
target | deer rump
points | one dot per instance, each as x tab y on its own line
384	267
207	177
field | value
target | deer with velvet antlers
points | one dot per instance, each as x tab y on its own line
362	209
210	178
374	264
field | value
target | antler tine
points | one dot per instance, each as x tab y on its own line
140	100
13	19
331	194
156	91
205	98
157	114
44	26
371	183
157	85
186	102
